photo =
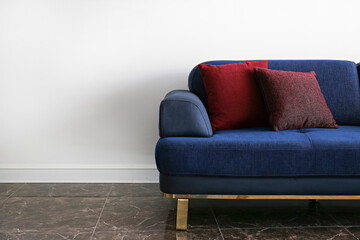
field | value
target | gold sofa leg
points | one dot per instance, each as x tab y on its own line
182	214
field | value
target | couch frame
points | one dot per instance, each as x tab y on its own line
193	121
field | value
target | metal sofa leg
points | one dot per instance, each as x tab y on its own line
182	214
314	206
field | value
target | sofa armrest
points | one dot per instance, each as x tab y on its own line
182	114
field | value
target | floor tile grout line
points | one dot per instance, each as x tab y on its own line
347	230
217	224
189	230
101	212
290	227
340	225
351	233
156	231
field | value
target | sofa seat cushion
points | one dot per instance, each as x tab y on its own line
263	152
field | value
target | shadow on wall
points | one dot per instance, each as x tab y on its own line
119	123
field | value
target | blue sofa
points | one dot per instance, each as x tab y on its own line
258	163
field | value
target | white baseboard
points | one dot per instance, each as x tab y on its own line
113	174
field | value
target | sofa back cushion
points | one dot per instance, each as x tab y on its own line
338	80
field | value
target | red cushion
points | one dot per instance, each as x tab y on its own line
234	97
294	100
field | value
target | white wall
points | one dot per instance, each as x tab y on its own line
81	80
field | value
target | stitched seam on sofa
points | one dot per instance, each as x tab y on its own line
242	150
265	175
280	177
358	69
160	117
207	127
311	143
264	150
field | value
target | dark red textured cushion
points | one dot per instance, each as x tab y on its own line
234	97
294	100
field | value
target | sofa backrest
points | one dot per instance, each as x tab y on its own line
338	80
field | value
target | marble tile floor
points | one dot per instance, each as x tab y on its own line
138	211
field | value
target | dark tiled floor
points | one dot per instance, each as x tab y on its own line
9	188
289	233
63	190
138	211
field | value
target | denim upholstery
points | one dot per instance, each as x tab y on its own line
260	185
183	114
314	161
338	80
262	152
